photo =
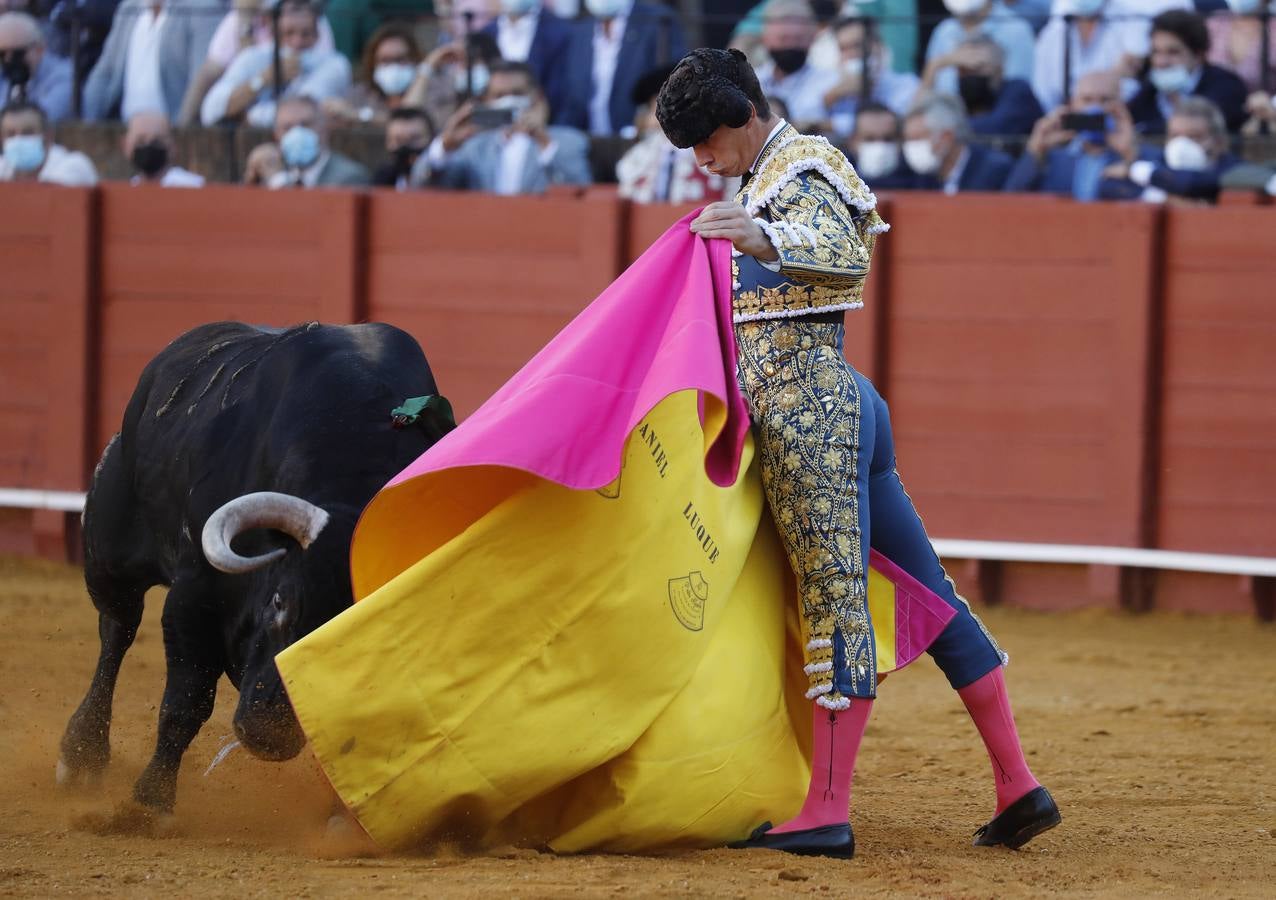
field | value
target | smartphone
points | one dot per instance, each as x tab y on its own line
1085	122
492	117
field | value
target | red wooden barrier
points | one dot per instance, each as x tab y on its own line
173	259
484	282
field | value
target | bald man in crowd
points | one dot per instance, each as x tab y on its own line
29	71
148	146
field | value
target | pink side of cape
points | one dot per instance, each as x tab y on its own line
566	414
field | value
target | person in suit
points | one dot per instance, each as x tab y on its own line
995	104
153	51
613	48
1059	160
1188	170
300	157
1180	43
862	55
525	32
524	157
874	149
937	147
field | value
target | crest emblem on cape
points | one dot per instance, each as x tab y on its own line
687	597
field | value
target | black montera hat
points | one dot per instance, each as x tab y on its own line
707	89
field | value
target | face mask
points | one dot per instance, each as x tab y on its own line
976	92
150	159
853	67
962	8
14	66
480	79
1244	7
517	7
920	156
790	60
25	152
605	9
394	78
1186	155
299	146
1085	9
403	158
1171	80
517	103
877	158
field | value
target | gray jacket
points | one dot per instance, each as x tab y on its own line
187	29
341	170
475	165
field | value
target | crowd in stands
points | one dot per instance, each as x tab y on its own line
1094	99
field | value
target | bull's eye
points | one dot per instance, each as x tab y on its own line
279	604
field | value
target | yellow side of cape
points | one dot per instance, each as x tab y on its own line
614	669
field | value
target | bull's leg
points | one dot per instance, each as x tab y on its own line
86	744
192	648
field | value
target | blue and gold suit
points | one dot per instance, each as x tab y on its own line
827	457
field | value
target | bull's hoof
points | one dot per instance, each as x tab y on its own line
70	777
128	818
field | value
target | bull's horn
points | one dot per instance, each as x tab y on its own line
295	517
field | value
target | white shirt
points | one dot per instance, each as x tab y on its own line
606	55
142	89
514	36
309	175
174	176
802	92
61	166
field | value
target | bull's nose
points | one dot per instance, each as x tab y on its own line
272	738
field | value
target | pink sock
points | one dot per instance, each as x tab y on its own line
989	705
836	743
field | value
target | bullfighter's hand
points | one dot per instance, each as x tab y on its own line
729	220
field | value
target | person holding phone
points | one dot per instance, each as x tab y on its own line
504	143
1070	148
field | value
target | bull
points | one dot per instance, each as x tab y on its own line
245	458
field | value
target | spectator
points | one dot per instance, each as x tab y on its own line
654	170
1095	44
26	66
824	51
451	74
247	24
407	137
971	17
610	52
476	152
91	22
787	32
151	56
300	157
1059	159
389	69
1236	42
995	104
148	146
863	58
248	88
31	155
526	33
1261	108
1188	169
937	147
874	149
1180	43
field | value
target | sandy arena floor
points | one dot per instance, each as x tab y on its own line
1157	736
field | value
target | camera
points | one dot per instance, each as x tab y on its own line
16	70
1085	122
486	117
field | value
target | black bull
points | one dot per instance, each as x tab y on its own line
280	438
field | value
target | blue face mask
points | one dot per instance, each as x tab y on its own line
299	147
25	152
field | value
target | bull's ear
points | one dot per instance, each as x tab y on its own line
431	413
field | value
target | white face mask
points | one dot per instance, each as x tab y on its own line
606	9
394	78
517	7
1244	7
961	8
481	76
1171	79
1084	9
853	67
921	157
877	158
1186	155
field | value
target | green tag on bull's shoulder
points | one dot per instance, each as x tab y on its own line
433	408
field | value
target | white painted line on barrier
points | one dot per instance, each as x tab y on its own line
1000	551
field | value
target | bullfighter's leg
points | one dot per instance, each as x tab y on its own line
194	665
86	744
965	651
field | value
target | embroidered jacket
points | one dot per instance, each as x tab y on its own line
823	222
